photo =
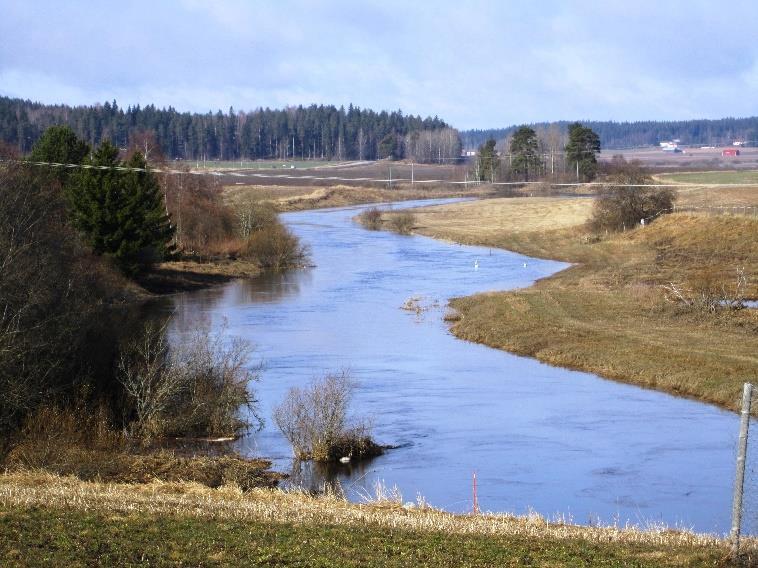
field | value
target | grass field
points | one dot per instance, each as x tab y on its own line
712	195
717	177
609	314
51	521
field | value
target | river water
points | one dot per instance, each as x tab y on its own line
540	438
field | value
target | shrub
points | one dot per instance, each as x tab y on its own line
77	441
314	419
53	325
371	218
629	197
255	216
219	377
275	247
402	222
194	389
709	292
205	225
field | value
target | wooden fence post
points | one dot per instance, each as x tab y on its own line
739	480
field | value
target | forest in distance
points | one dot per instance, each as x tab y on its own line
623	135
322	132
326	132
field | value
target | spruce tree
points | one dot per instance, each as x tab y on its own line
120	213
60	145
525	151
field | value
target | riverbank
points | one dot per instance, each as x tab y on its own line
187	275
610	313
287	199
63	521
191	274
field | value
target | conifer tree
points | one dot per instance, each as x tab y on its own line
582	149
488	161
525	151
59	144
120	214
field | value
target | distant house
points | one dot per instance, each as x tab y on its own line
730	152
672	146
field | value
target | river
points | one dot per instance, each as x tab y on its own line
540	438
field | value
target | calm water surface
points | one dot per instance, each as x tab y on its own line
539	438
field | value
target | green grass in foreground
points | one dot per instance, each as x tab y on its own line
64	537
733	176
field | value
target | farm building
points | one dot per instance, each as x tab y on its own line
730	152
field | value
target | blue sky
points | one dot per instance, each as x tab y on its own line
476	64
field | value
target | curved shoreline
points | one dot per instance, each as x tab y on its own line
606	314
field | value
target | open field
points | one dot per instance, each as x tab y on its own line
375	174
51	520
609	314
690	159
717	177
199	165
285	198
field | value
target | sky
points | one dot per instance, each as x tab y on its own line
476	64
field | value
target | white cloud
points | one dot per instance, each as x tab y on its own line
476	64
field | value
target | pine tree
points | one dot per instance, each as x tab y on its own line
487	162
525	152
581	150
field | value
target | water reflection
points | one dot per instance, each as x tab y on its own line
351	479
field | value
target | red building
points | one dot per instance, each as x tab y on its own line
730	152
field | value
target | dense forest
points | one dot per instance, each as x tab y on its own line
313	132
618	135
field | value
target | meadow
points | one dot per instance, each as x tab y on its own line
614	313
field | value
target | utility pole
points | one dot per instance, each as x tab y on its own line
739	479
412	178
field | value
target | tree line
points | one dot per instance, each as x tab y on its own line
312	132
618	135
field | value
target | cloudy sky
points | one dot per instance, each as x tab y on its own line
476	64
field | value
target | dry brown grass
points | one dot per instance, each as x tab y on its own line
302	198
181	275
83	443
28	489
608	314
480	221
711	195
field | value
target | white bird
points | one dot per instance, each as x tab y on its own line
345	459
476	264
525	265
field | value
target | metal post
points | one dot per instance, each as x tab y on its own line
739	480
